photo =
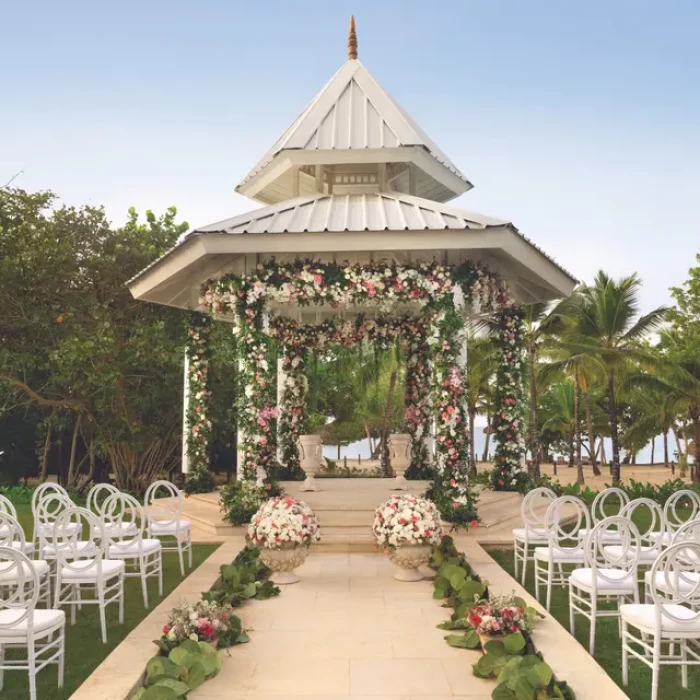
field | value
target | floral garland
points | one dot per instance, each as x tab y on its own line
507	418
417	399
199	426
292	419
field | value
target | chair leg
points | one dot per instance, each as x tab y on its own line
160	573
189	547
684	664
61	656
526	549
144	585
656	663
74	601
537	578
591	638
515	559
571	611
31	663
550	576
625	656
101	604
121	599
2	665
179	554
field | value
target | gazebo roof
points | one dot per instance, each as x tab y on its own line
354	120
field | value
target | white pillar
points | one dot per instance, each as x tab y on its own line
185	424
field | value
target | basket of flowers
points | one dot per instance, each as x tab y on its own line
406	527
202	621
284	529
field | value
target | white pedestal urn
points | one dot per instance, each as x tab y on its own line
400	458
284	529
310	459
406	527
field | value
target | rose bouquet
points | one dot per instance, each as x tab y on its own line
202	621
501	615
283	523
406	520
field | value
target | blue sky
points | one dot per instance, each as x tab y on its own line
577	121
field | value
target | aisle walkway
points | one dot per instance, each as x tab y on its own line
347	630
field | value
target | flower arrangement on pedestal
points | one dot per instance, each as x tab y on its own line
284	529
406	527
507	415
202	621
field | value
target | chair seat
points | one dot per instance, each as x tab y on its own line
119	529
685	584
533	534
647	555
8	573
84	572
82	547
643	617
131	549
44	621
169	527
608	536
48	528
606	580
666	538
559	554
26	548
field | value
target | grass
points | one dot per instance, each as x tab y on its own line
608	647
84	648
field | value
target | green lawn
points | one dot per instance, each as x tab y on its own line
84	648
608	645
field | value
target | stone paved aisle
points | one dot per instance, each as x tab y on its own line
347	630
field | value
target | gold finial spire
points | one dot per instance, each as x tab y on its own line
352	40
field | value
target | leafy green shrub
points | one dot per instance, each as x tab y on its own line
245	578
199	481
185	668
460	513
17	494
240	500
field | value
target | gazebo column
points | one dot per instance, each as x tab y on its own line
291	403
281	379
419	419
185	467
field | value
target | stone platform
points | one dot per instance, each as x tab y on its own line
345	508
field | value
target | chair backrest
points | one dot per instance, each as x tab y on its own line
673	567
49	508
44	490
624	556
124	518
651	526
604	500
75	526
7	506
677	503
10	531
564	518
98	495
534	507
23	594
169	511
688	531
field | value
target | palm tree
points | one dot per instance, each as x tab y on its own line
609	329
563	418
482	361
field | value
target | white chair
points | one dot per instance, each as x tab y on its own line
605	575
79	567
533	533
680	502
651	537
164	504
688	532
603	503
97	500
672	618
97	495
48	509
12	537
564	518
22	626
41	492
145	555
8	508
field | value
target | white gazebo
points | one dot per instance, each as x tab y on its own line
353	182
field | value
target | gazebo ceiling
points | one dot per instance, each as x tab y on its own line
354	179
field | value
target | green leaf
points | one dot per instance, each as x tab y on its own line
159	692
178	686
249	590
154	669
539	675
510	670
523	690
468	640
178	655
502	692
470	590
514	643
495	647
138	694
242	638
196	675
455	625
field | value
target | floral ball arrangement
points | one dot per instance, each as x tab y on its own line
500	615
406	520
283	522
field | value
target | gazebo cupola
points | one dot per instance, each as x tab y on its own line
353	138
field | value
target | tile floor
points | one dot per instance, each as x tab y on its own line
347	630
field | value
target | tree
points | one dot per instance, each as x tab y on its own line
609	329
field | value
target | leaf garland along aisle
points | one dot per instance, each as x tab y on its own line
199	427
514	662
378	285
507	473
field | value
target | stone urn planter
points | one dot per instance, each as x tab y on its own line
283	562
408	558
310	459
400	458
